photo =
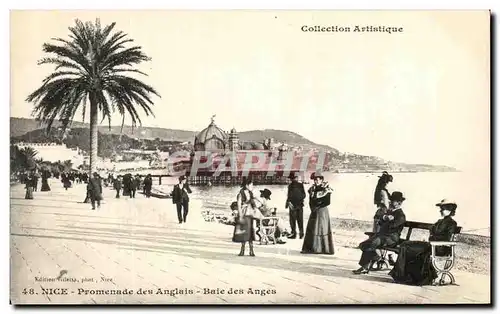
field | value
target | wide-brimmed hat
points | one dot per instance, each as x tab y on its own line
317	174
397	196
292	175
265	194
445	202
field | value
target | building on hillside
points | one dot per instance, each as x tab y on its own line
54	152
214	146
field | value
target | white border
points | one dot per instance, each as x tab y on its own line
181	4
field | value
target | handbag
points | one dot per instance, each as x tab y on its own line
239	228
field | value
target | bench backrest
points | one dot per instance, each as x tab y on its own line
424	226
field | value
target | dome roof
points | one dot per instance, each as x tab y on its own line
210	132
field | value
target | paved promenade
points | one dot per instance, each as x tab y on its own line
137	244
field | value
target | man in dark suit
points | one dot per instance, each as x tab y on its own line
117	185
391	226
148	185
94	190
180	197
295	204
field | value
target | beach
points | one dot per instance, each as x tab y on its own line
353	196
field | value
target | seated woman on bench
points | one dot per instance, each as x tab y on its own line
267	211
414	265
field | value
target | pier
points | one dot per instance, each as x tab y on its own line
259	177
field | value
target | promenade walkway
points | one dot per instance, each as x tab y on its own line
137	244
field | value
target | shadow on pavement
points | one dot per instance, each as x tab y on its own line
307	267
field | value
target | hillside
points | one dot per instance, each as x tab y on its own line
110	143
21	126
282	136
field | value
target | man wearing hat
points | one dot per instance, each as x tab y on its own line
265	196
180	198
148	185
391	226
117	185
295	204
267	211
94	190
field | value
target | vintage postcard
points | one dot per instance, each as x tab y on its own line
250	157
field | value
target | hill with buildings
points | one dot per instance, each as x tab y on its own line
112	142
19	127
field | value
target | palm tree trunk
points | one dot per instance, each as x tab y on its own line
93	135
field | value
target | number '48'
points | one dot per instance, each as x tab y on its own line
28	291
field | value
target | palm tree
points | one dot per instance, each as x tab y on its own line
91	66
28	155
68	165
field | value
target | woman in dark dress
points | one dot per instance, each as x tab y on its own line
414	265
148	185
66	180
127	180
381	199
243	229
318	238
117	185
45	181
29	183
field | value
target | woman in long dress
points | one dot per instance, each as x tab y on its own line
45	181
318	238
381	199
244	229
29	183
414	265
65	178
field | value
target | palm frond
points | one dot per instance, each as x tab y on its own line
75	56
90	66
60	63
60	73
120	70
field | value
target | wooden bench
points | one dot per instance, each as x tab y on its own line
444	270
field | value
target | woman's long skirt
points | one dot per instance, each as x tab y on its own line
45	186
244	230
67	184
29	193
318	238
414	266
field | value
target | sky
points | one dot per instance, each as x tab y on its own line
420	96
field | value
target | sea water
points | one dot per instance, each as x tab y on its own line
353	196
